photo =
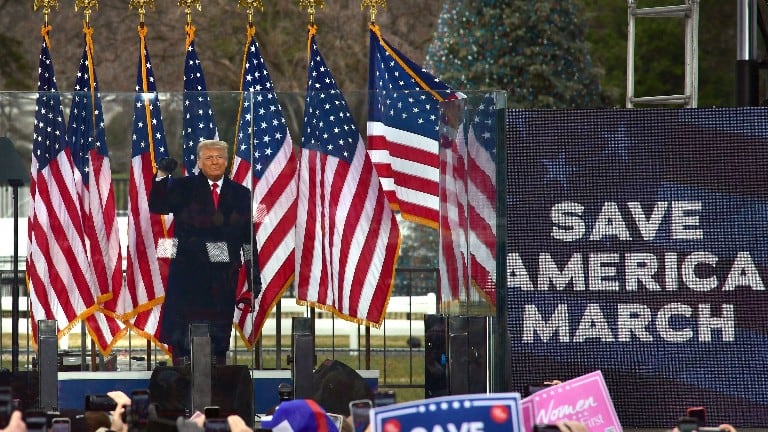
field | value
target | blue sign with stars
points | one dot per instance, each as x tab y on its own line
472	413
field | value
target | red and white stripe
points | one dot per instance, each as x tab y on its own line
453	221
98	210
481	190
146	273
414	161
60	276
100	222
274	216
347	245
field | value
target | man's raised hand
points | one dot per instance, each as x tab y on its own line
166	166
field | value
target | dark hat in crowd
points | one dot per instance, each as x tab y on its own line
335	385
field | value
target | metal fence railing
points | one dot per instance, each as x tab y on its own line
396	349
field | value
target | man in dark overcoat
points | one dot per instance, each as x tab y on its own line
212	239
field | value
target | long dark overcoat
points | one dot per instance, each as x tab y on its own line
202	278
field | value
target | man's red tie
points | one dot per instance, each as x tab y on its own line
215	194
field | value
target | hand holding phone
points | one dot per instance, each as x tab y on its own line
212	412
6	405
100	403
139	408
360	410
61	424
691	424
36	420
699	413
216	424
338	420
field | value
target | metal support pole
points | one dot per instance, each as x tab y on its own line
15	183
479	354
747	83
458	357
48	365
200	342
302	357
13	172
435	355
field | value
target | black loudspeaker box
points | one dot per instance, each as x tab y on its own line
25	387
170	388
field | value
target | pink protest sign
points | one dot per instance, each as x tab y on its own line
584	399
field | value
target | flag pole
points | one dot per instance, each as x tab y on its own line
87	5
249	5
140	6
188	4
190	29
46	5
310	6
373	4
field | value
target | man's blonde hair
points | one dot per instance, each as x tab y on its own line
215	144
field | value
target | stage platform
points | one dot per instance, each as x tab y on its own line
74	386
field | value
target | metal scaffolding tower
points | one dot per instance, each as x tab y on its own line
689	12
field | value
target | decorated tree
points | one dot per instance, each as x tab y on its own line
534	50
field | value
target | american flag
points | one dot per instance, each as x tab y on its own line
87	141
198	121
347	240
265	162
148	235
453	251
59	277
481	191
403	122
